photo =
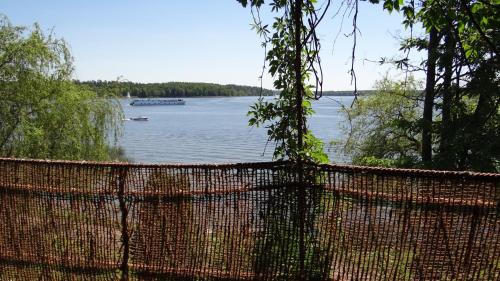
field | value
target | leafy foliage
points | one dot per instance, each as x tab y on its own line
285	117
461	114
43	114
384	128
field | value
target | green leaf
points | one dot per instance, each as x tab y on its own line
388	5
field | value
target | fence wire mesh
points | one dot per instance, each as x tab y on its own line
256	221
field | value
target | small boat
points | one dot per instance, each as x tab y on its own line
140	118
139	102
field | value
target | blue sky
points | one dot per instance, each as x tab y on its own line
196	40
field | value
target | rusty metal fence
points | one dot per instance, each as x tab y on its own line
105	221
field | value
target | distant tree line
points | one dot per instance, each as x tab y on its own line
173	89
185	89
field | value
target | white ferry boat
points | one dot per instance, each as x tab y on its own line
138	102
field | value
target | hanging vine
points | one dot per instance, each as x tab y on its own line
292	58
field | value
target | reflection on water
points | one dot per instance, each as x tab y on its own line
212	130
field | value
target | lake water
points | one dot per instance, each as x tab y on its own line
214	130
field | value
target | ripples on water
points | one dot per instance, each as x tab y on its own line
213	130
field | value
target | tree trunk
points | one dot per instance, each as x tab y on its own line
429	98
446	157
297	20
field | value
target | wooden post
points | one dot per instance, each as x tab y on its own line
122	175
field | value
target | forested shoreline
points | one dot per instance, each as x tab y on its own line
186	89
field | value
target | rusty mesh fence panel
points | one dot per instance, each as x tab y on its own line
104	221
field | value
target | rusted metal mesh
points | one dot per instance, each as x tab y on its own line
98	221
